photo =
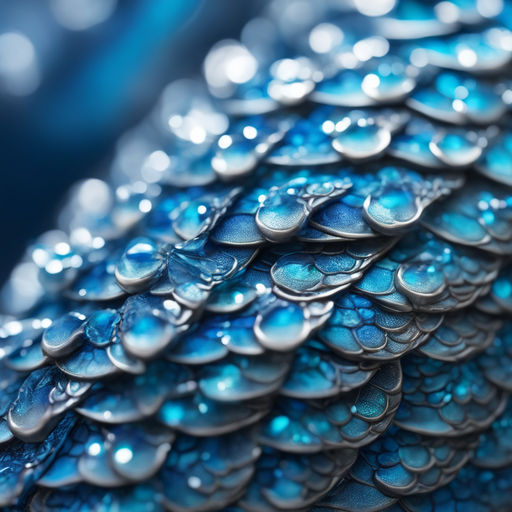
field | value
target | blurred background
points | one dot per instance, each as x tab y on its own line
75	74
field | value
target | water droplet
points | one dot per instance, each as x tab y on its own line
144	335
281	326
455	150
360	141
64	335
139	265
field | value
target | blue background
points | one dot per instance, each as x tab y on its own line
95	84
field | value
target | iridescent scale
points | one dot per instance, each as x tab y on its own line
292	289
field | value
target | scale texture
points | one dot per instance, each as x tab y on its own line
292	289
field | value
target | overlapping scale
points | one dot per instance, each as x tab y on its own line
461	335
240	377
207	473
399	463
360	329
9	385
87	497
291	291
237	155
134	398
388	203
22	464
425	273
319	373
44	396
97	284
414	20
351	419
405	463
495	361
433	146
482	52
447	400
316	272
285	481
479	215
109	457
356	493
23	350
238	227
494	448
344	89
499	298
459	99
474	488
496	162
196	266
197	415
306	143
285	209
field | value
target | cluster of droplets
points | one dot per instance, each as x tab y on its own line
290	291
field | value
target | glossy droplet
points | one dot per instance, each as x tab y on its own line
43	397
192	219
236	160
292	82
231	296
360	141
297	272
389	82
344	90
139	265
414	148
392	209
144	334
64	335
412	20
420	280
457	99
478	52
137	452
57	262
98	284
455	150
280	216
281	326
195	217
284	210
